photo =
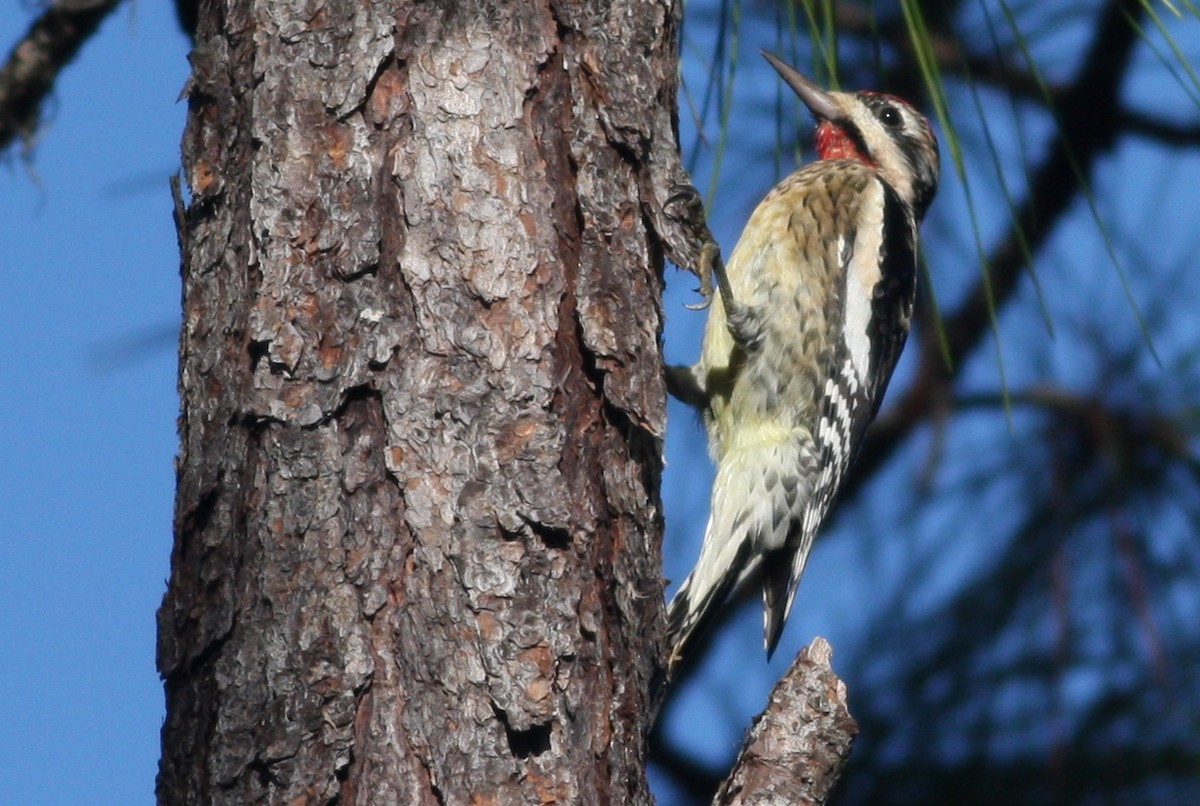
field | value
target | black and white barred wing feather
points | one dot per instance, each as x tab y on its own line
876	312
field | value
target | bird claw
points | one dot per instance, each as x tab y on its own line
685	206
710	261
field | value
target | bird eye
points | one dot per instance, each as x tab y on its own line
890	116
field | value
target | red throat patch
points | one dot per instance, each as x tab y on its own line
833	143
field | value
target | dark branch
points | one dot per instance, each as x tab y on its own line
49	45
693	779
946	46
1171	134
955	60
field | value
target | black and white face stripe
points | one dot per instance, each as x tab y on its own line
898	139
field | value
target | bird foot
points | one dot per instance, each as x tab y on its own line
687	207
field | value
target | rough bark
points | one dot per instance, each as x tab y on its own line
795	752
417	526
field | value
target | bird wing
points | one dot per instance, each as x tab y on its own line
877	288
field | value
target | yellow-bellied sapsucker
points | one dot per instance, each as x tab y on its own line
814	308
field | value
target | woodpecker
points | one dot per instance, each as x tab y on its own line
812	313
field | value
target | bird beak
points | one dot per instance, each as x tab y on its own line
818	101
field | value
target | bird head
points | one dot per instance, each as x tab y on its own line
874	128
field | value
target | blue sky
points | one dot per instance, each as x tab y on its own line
88	309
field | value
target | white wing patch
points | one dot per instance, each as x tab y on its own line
861	266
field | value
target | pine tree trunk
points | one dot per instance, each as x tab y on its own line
417	528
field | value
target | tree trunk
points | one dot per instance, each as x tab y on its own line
417	527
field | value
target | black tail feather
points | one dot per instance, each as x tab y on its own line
776	586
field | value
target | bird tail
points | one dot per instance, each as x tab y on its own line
780	576
757	520
695	605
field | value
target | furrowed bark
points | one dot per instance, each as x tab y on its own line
418	523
